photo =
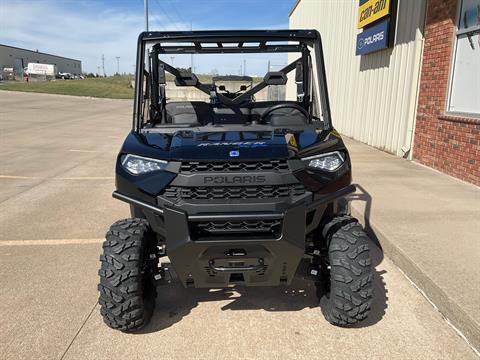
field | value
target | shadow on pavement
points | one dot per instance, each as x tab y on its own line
175	302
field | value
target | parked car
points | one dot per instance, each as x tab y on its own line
63	76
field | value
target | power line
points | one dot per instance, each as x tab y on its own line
182	20
165	13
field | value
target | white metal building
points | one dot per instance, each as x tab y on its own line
373	97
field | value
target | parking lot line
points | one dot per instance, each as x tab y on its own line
84	151
85	178
15	177
50	242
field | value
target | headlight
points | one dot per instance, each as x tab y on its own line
138	165
329	161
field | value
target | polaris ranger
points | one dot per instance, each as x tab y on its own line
234	190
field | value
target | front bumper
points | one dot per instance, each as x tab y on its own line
217	261
222	261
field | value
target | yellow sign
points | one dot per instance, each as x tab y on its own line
291	140
371	11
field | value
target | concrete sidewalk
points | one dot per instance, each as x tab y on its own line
428	223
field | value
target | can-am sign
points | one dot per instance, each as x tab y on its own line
374	38
376	17
372	10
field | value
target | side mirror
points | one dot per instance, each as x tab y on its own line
243	87
222	88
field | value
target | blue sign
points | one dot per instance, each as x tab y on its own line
373	38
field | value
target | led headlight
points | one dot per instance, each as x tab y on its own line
328	161
137	165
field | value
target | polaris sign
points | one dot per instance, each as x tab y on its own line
373	39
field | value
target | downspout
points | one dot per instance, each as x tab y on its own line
414	94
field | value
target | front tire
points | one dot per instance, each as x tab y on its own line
348	295
127	284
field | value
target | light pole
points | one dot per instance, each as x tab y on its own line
118	64
145	11
103	65
172	58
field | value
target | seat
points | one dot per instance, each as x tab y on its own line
231	114
188	113
286	117
280	117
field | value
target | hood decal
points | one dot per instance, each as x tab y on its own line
236	143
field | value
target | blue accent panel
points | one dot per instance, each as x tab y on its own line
373	38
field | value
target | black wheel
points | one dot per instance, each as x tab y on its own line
347	291
127	284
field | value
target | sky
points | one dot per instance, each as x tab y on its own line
86	29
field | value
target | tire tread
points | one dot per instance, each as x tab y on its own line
125	305
351	277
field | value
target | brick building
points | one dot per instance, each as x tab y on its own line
404	76
448	139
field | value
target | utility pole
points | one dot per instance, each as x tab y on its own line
145	11
98	70
103	65
118	64
244	67
191	55
172	58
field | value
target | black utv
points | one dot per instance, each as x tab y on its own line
235	188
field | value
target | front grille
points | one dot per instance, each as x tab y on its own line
268	228
212	273
246	192
196	166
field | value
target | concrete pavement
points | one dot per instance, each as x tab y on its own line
55	206
428	224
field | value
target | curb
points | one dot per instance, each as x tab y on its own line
454	314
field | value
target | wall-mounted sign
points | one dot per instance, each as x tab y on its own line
373	39
372	10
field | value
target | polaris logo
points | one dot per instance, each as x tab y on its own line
234	179
235	143
371	39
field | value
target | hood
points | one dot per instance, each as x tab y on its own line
232	145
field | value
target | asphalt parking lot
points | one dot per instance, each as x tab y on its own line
57	158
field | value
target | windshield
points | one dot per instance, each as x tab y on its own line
215	81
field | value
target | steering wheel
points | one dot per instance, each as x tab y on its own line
284	106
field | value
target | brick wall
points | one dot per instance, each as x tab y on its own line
447	143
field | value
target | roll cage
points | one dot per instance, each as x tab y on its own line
228	42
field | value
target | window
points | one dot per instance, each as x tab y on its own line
465	82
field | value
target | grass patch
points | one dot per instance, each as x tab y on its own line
114	87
